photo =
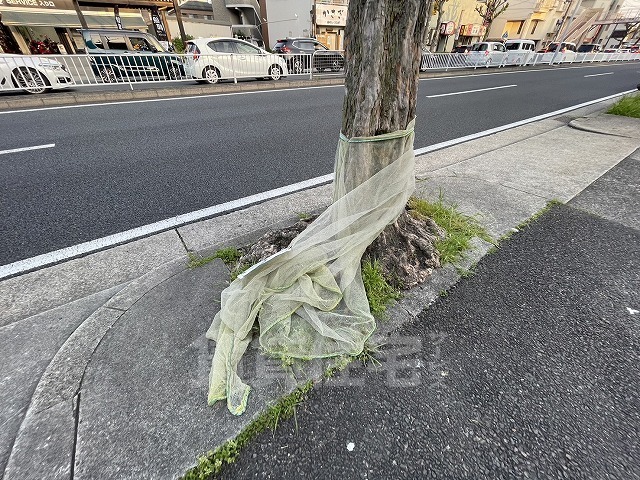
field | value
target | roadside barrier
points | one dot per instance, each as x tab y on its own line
39	73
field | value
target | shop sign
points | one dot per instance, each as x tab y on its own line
161	33
451	27
475	30
331	15
30	3
57	4
116	12
447	28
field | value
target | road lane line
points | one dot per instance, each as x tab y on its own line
57	256
484	133
598	74
26	149
470	91
47	259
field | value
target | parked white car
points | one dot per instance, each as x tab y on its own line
32	73
214	59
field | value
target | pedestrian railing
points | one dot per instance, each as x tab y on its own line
38	73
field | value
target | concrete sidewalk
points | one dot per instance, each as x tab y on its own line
105	368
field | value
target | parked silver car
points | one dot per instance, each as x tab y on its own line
32	73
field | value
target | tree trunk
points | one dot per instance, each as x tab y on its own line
382	50
383	53
436	37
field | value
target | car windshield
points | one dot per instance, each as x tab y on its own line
479	47
513	46
280	44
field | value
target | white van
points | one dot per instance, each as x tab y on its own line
519	51
486	54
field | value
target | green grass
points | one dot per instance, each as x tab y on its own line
212	463
627	106
228	255
379	292
459	228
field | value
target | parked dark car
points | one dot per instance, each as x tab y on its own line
461	49
121	54
299	51
589	48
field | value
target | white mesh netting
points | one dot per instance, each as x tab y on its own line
309	299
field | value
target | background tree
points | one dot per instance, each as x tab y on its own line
438	7
489	11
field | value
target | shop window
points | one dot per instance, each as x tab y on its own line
535	25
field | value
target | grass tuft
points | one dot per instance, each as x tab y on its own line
212	463
228	255
459	228
627	106
379	292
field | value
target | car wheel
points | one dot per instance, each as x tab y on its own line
173	73
211	75
297	66
30	80
275	72
108	75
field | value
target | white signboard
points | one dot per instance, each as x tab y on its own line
331	15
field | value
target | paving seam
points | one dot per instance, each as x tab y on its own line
493	149
34	409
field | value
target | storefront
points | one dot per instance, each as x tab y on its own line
470	34
50	26
330	19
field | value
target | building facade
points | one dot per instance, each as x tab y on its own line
286	18
51	26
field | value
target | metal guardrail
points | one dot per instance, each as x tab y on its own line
38	73
451	61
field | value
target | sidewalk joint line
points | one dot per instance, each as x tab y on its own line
184	244
116	309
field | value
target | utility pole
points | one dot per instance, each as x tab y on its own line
183	36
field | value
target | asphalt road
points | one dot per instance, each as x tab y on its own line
528	369
116	167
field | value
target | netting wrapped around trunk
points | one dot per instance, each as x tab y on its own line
309	299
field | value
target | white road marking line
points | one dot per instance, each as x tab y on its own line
513	72
484	133
26	149
470	91
23	266
598	74
253	92
146	230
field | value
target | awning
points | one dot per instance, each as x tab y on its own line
68	18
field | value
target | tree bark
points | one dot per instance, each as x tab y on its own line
382	52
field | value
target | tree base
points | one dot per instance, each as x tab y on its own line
406	249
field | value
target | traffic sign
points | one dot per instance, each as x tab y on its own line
505	35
